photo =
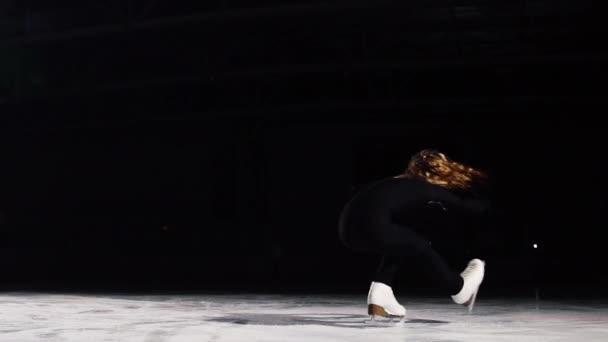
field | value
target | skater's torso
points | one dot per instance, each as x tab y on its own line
403	201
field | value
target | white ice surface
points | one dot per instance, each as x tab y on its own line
28	317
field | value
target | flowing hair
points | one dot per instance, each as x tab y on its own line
436	168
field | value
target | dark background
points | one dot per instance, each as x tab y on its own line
210	145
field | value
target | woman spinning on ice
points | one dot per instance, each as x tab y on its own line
384	216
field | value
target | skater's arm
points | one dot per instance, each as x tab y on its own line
467	205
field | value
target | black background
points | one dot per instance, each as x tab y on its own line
210	146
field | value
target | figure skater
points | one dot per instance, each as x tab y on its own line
385	217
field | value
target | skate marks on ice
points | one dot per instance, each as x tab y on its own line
326	319
279	318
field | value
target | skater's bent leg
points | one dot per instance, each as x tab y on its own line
400	244
438	270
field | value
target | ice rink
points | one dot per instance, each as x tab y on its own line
28	317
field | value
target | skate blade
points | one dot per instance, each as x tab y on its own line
472	302
379	317
381	321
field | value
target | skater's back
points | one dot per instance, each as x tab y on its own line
405	201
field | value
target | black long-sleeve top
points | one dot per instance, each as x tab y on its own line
413	203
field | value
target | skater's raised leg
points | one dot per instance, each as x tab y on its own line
473	277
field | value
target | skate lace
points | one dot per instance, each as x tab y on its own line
470	268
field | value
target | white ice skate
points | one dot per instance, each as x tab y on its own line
472	276
381	302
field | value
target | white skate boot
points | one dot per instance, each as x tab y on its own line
381	302
472	276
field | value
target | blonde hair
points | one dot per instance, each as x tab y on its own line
436	168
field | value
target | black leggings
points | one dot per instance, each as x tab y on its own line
399	244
